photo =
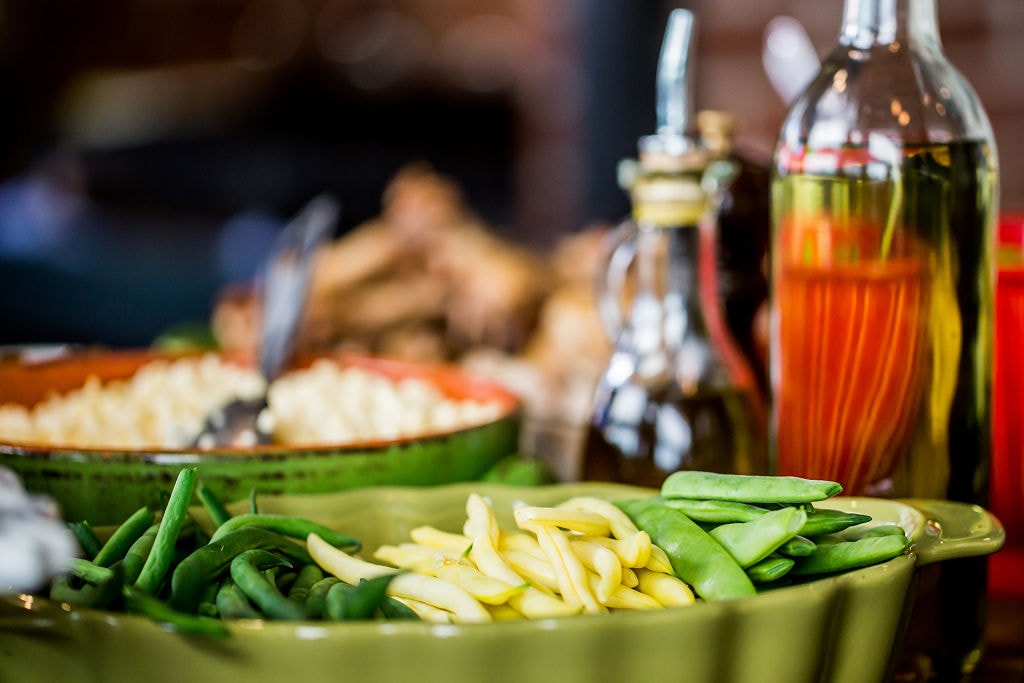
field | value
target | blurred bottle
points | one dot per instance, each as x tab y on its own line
743	238
677	393
884	200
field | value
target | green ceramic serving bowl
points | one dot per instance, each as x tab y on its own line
841	629
105	486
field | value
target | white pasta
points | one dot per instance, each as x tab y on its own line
164	403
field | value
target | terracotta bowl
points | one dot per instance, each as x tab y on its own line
103	486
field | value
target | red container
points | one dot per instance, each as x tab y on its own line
1007	476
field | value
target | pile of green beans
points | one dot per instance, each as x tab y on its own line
253	566
730	535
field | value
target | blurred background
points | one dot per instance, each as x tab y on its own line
150	149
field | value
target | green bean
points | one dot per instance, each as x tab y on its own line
798	546
826	521
715	511
349	603
878	530
747	488
751	542
123	537
282	580
159	560
295	527
316	601
304	582
145	604
211	503
103	595
829	558
770	569
390	608
254	509
696	558
136	556
89	572
208	609
233	603
208	562
246	571
86	537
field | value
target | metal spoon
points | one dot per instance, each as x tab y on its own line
244	422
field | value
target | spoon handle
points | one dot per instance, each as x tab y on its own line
286	280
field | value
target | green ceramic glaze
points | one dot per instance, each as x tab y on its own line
104	487
835	630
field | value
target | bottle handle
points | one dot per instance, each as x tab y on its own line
619	250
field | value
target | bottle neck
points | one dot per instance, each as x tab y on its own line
867	23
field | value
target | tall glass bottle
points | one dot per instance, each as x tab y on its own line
884	198
677	392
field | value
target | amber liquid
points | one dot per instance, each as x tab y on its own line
946	203
640	435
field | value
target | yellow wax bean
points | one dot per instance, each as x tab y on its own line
581	521
620	524
667	589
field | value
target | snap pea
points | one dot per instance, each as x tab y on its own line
770	569
208	562
715	511
212	504
124	536
295	527
826	521
86	537
157	610
316	601
829	558
159	560
696	558
747	488
233	603
798	546
304	582
751	542
246	572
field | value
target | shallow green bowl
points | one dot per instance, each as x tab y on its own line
842	629
105	486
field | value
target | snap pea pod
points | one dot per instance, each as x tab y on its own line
770	569
87	539
829	558
124	536
159	611
798	546
316	601
233	603
715	511
246	572
747	488
160	557
294	527
208	562
751	542
304	582
212	504
826	521
696	558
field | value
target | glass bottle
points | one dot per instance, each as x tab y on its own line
884	198
743	239
677	393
